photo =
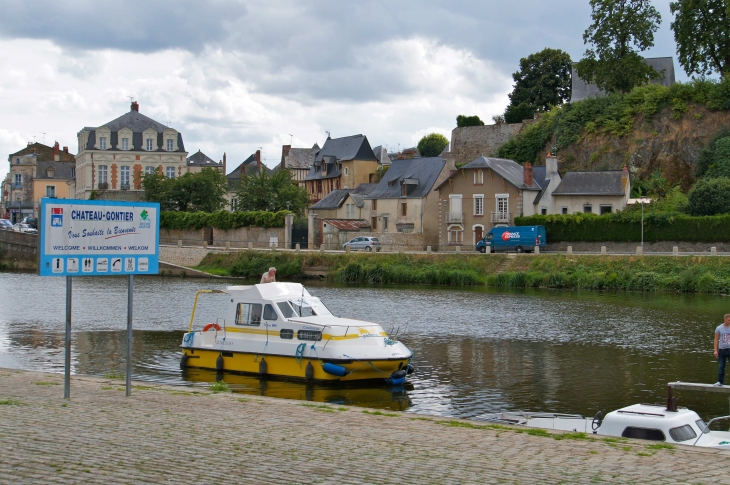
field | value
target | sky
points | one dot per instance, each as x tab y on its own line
235	77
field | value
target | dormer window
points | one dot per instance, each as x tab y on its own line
478	177
50	173
102	143
17	160
169	145
149	144
125	143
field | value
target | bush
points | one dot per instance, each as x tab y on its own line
221	219
709	197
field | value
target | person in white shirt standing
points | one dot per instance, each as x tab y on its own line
722	348
269	276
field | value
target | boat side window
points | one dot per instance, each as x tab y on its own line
302	308
286	333
286	309
314	335
643	434
248	314
270	313
701	426
682	433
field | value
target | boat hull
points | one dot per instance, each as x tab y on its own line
290	366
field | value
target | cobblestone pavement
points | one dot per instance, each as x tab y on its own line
167	434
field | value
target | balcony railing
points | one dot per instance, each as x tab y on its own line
16	186
125	186
103	185
454	218
501	217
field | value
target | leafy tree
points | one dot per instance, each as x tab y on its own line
498	119
709	197
543	81
203	191
714	159
462	121
276	192
702	32
620	30
432	145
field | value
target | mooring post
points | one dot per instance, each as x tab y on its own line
228	245
570	250
713	251
675	251
671	400
250	245
603	250
537	249
298	248
428	249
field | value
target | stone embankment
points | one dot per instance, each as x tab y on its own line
191	435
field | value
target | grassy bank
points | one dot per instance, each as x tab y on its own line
383	268
701	274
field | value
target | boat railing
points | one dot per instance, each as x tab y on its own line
195	305
707	427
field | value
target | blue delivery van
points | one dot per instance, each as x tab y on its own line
516	238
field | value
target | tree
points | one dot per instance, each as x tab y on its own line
432	145
620	30
273	193
709	197
714	160
462	121
203	191
702	32
543	81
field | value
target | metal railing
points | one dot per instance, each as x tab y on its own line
124	186
16	186
454	217
501	216
103	185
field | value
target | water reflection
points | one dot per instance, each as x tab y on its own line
477	351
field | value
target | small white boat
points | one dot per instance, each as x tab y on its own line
642	421
279	329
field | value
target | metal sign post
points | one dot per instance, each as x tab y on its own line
98	238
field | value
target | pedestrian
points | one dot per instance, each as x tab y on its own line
722	348
270	277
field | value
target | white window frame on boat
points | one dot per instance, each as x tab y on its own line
249	314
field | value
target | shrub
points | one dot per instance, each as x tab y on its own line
221	219
709	197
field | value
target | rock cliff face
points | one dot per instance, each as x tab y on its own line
663	143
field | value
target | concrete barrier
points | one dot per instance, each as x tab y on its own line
570	250
713	251
428	249
603	250
639	251
537	249
298	248
675	251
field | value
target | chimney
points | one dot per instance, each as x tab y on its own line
551	165
527	177
135	106
56	153
224	163
285	149
65	149
258	161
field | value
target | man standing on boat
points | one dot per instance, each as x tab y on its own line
270	277
722	348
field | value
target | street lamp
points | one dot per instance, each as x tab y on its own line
642	201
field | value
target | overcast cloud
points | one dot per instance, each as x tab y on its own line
234	77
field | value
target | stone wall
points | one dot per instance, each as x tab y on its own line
186	256
18	245
630	247
471	142
238	238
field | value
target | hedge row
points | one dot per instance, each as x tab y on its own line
626	227
221	219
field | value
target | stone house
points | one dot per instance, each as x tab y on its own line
113	157
199	160
298	161
598	192
251	166
404	200
341	163
484	193
35	171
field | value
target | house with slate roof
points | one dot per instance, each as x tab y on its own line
251	166
344	204
298	161
113	157
598	192
199	160
404	200
35	171
341	163
484	193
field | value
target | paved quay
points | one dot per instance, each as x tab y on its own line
170	434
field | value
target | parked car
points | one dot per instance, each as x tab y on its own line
364	243
20	227
6	224
31	221
516	238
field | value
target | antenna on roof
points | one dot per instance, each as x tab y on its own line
169	122
291	138
328	133
33	138
131	98
44	137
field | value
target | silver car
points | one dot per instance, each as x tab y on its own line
364	243
6	224
20	227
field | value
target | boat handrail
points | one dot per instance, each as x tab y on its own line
707	427
642	413
195	304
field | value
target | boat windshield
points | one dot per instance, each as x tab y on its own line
302	307
701	425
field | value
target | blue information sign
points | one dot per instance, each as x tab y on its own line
98	238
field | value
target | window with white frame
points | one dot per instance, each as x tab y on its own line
124	177
50	190
543	211
479	205
385	223
149	170
502	206
347	171
587	208
169	145
149	144
170	172
125	143
102	175
455	234
102	143
18	179
478	177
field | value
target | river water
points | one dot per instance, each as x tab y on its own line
477	351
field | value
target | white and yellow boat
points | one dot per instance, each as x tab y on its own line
279	329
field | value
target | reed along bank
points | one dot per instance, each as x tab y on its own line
693	274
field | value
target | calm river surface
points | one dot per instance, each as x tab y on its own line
477	350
